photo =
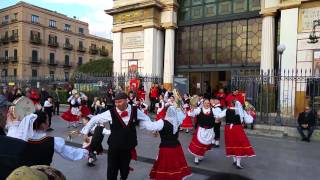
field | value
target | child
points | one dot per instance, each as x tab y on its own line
94	146
72	115
48	109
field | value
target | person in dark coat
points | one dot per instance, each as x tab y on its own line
306	121
43	96
4	104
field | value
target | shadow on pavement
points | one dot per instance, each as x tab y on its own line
226	176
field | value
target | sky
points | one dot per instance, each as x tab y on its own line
90	11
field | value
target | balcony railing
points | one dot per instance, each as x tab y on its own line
5	40
81	49
35	60
14	20
4	60
68	46
104	52
93	50
5	22
53	44
52	62
35	40
14	38
13	59
67	65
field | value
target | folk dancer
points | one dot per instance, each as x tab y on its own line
217	109
170	163
236	142
161	110
204	134
123	138
84	109
72	115
48	109
187	122
94	145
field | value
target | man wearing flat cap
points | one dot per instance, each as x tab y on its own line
4	104
123	119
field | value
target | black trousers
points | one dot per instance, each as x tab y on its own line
216	129
49	114
118	160
56	108
2	133
309	129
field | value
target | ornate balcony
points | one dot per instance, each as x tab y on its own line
35	61
93	50
35	40
53	44
68	46
81	49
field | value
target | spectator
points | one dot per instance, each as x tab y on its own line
56	98
222	97
162	90
306	121
109	100
153	96
43	96
141	93
234	96
4	104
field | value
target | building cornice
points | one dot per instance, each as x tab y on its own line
269	11
136	6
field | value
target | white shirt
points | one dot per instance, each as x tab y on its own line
60	147
145	122
47	104
217	112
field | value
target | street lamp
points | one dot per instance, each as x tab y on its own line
281	48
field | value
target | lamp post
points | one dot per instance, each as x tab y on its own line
280	49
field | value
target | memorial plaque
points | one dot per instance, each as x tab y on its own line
307	17
132	40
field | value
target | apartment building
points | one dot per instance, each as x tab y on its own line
37	42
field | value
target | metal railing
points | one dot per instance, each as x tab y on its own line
279	97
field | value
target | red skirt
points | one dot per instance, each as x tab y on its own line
170	165
161	114
197	148
236	142
85	111
68	116
187	123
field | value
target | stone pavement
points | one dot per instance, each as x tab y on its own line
278	158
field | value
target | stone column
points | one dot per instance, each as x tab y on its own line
117	38
268	43
168	70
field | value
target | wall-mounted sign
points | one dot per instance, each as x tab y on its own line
132	40
307	16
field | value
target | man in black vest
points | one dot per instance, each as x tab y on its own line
123	138
306	121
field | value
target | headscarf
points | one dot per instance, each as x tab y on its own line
175	117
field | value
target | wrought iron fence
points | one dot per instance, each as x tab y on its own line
94	84
279	97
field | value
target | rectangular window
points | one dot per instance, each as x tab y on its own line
52	23
14	72
34	73
81	31
80	61
5	19
66	59
66	76
4	73
15	54
81	44
15	33
15	16
67	27
34	55
34	19
6	55
51	58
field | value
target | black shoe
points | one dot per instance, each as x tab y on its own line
234	163
307	139
90	164
216	146
196	163
239	167
50	129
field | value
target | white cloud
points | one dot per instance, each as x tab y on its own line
100	23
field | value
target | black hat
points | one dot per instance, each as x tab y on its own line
121	95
